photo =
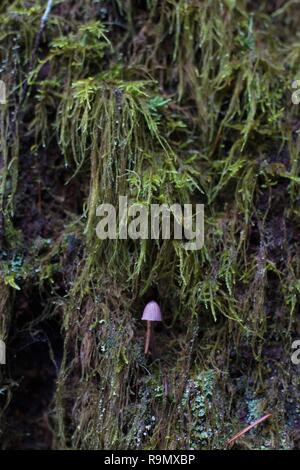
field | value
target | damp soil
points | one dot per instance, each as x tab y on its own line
35	346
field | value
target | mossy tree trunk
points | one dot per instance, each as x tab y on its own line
164	102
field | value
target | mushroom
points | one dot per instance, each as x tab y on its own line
151	314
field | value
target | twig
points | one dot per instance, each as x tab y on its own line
37	41
248	428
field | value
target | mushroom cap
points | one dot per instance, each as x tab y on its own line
152	312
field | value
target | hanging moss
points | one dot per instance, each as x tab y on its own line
164	102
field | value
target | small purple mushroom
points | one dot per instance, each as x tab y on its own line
151	314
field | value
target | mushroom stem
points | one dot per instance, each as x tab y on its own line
149	336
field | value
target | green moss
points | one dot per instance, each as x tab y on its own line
167	102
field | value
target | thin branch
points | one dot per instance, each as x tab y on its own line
37	41
248	428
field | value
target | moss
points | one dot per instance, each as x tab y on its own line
167	101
